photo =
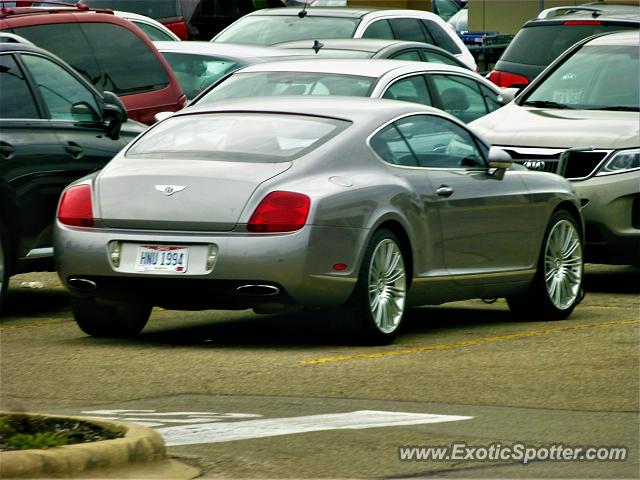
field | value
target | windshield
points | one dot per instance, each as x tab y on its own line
241	85
596	77
269	30
243	137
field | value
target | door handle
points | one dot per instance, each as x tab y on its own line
74	149
444	191
6	150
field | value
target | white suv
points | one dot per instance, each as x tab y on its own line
277	25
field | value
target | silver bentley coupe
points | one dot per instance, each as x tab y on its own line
361	206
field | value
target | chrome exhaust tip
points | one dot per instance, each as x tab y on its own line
82	284
258	290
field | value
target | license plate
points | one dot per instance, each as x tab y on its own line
162	258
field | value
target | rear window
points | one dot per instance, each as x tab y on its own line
238	137
95	51
149	8
541	44
268	84
269	30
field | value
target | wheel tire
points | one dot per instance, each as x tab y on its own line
109	320
4	267
557	286
375	309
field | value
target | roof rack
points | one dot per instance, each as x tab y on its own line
29	6
557	11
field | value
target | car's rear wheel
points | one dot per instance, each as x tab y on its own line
4	266
557	285
377	305
109	320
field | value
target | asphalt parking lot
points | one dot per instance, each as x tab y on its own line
246	396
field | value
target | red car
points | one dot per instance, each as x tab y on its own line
112	53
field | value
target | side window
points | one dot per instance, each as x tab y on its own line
441	37
136	72
460	97
379	29
65	97
412	55
410	89
490	98
408	29
438	58
16	100
439	143
154	33
390	145
197	72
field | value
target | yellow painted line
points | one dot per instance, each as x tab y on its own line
622	307
48	323
468	343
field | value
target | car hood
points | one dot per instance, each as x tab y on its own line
543	127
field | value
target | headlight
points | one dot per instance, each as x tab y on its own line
621	161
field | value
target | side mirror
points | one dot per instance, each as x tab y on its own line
508	94
160	116
114	114
499	161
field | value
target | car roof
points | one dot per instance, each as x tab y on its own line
223	49
57	9
616	38
316	12
624	15
354	109
21	47
364	67
362	44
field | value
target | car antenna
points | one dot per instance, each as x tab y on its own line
317	45
303	13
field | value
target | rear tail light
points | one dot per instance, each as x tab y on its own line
75	207
280	212
506	79
180	29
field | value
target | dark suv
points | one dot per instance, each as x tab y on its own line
54	128
112	53
541	41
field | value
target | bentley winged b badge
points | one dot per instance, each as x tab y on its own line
170	189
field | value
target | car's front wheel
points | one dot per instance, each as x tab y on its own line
108	320
377	305
557	286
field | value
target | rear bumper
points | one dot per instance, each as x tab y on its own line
298	264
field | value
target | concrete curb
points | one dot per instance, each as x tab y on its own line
141	453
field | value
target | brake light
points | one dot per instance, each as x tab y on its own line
75	206
582	22
280	212
180	29
506	79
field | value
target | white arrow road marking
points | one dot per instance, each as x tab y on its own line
230	431
152	418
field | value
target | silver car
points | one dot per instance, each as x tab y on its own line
367	205
456	90
580	119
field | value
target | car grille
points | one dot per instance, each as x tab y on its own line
575	164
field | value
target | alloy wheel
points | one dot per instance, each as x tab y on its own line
563	264
387	286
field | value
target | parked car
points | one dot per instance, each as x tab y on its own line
542	40
580	119
373	48
167	12
197	65
189	19
152	28
456	90
265	203
54	128
279	25
112	53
